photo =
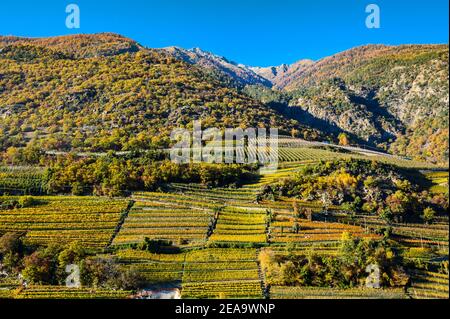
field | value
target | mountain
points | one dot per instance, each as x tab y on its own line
395	97
224	68
276	74
105	92
79	46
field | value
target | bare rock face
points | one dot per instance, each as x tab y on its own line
239	73
380	94
383	94
271	73
277	74
353	113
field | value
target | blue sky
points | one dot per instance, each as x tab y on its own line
254	32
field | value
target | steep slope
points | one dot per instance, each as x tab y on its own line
381	94
79	46
277	74
238	73
104	91
271	73
97	93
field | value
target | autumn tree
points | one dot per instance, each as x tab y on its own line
343	139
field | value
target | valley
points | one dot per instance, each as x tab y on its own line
86	177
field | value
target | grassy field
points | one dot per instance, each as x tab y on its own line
166	217
198	219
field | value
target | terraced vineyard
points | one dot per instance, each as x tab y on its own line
301	154
284	172
8	287
6	293
307	248
216	195
65	219
286	227
238	218
435	234
429	285
59	292
439	181
282	292
13	290
307	155
314	231
156	268
214	273
196	218
430	235
221	273
170	217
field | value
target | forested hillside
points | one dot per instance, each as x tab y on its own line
226	70
394	97
104	92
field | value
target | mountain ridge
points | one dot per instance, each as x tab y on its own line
81	45
237	72
382	95
104	92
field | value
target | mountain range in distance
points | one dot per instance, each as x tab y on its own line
390	97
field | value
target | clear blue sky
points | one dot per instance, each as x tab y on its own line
254	32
